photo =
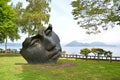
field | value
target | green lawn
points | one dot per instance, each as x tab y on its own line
16	68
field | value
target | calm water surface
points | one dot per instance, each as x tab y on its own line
76	50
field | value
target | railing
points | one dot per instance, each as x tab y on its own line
9	51
113	58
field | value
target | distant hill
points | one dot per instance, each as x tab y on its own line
75	43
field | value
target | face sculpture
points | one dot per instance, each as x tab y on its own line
42	48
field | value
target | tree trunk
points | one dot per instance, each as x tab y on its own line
28	34
86	56
6	45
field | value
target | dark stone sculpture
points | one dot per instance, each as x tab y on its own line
42	48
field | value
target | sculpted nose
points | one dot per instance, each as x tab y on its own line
51	46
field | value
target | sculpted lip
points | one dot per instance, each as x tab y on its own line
55	53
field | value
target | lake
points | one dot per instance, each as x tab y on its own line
76	50
70	50
17	46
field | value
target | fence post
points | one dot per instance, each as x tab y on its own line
110	58
67	56
90	57
76	56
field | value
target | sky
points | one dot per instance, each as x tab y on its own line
67	28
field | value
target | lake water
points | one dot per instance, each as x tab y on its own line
17	46
70	50
76	50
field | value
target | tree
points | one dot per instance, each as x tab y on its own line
34	16
8	28
64	52
108	53
94	51
97	51
85	51
93	15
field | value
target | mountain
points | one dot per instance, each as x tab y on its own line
98	44
75	43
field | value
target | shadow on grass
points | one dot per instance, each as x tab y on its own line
28	72
42	71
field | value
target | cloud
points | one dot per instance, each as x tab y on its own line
67	28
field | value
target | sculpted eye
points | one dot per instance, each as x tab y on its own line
33	42
48	31
38	38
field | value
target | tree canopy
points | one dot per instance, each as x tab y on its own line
34	16
7	24
85	51
97	51
94	15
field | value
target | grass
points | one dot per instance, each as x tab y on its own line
16	68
